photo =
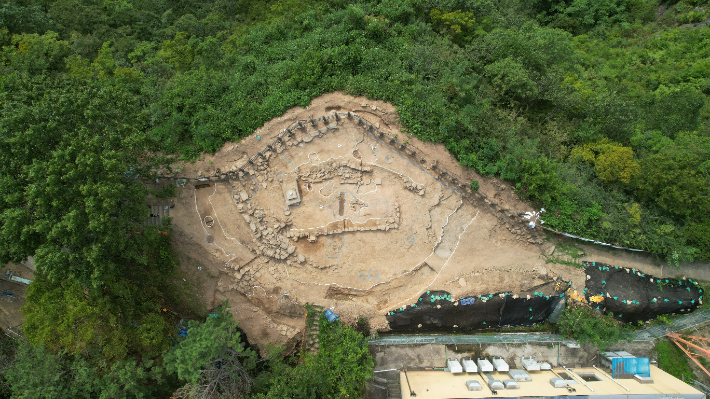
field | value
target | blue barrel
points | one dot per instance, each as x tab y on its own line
331	316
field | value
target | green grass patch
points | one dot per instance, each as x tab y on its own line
567	254
672	360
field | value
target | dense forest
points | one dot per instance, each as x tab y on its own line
596	110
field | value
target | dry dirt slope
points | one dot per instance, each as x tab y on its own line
375	227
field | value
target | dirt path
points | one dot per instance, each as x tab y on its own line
643	261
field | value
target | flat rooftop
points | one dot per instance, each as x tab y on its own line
443	384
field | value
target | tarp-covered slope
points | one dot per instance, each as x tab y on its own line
634	296
438	311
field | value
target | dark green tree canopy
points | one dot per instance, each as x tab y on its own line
70	157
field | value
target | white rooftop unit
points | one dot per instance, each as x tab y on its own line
496	384
469	366
454	366
624	354
484	365
544	366
531	365
519	375
558	382
500	365
473	385
511	384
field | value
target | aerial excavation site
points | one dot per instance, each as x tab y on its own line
335	206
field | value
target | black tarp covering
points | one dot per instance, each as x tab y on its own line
632	295
525	312
436	311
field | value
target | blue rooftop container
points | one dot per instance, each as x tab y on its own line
627	367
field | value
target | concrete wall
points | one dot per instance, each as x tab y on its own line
399	356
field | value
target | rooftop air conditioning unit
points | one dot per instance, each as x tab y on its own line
473	385
511	384
496	385
519	375
531	365
558	382
469	366
545	366
454	366
642	379
501	365
484	365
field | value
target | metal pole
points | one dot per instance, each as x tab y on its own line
411	393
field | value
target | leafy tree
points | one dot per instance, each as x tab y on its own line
396	11
120	321
212	359
510	79
519	71
339	370
674	109
71	197
178	52
677	177
20	18
697	232
39	373
611	160
579	15
459	25
69	194
37	54
540	179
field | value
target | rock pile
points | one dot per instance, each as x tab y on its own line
410	185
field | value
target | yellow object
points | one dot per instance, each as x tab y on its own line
576	297
597	298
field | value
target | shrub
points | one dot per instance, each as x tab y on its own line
583	324
475	186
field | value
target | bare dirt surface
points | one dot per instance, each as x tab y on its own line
373	221
12	297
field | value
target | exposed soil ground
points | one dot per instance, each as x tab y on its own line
12	297
376	224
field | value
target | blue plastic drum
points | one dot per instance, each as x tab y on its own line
331	316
